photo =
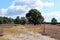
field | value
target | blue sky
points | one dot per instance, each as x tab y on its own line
5	3
13	8
56	6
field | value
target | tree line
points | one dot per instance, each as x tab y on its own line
32	17
17	20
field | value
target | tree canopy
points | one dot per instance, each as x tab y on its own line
53	21
23	20
6	20
17	20
34	17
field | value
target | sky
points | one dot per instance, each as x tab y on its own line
48	8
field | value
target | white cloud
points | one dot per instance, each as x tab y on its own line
38	4
3	11
24	5
49	4
50	15
21	7
11	7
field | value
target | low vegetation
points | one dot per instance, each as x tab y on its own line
19	29
14	30
34	29
1	38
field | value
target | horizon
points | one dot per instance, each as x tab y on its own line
48	8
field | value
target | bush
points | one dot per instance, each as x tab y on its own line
54	21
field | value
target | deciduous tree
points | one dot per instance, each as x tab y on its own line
34	17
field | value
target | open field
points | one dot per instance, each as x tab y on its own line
48	29
27	32
14	30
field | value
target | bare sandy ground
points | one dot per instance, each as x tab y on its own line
28	36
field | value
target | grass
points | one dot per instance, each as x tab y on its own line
19	29
34	29
1	38
14	30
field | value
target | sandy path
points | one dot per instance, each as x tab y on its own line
28	36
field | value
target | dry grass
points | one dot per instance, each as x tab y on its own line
1	38
34	29
14	30
19	29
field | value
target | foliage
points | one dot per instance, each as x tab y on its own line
53	21
0	20
11	21
17	20
23	20
34	17
6	20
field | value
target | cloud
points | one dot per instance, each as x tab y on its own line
49	4
38	4
21	7
15	10
50	15
3	11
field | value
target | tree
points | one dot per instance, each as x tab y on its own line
10	20
5	20
34	17
17	20
23	20
0	20
53	21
